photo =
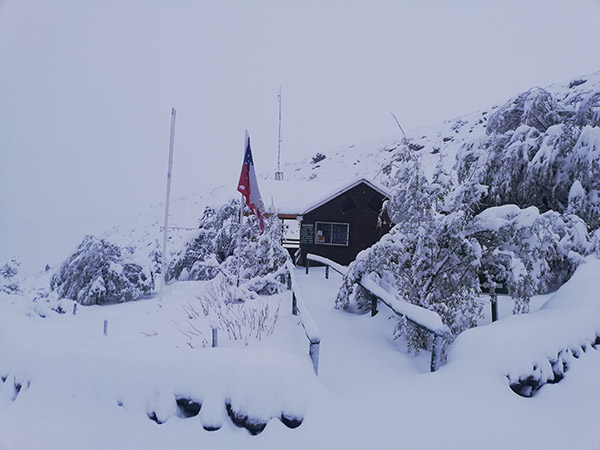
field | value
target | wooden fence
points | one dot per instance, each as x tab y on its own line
308	323
423	318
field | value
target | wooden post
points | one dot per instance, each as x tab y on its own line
313	351
307	264
494	302
105	327
436	352
74	308
373	305
294	304
327	272
289	282
215	337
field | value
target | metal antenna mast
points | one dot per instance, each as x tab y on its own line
279	173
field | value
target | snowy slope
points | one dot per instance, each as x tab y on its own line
344	164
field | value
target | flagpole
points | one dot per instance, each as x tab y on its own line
279	173
241	221
167	201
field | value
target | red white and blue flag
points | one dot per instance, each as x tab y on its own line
248	186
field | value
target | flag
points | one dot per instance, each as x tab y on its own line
248	186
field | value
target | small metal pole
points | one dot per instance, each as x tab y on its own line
215	337
167	200
307	264
289	282
105	327
327	272
294	304
74	308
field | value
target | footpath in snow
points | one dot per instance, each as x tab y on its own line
355	349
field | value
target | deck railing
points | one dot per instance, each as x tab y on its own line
308	323
423	318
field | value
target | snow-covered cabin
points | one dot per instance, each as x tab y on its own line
336	222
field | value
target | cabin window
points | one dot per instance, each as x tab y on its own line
332	233
375	204
346	204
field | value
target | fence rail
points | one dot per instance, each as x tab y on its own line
308	323
423	318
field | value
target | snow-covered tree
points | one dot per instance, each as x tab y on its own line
535	150
450	235
529	252
210	246
258	262
426	258
99	272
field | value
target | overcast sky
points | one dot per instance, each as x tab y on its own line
86	90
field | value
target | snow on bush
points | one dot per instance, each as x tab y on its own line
444	245
259	263
535	108
98	272
529	252
235	311
535	349
8	272
212	244
427	258
536	149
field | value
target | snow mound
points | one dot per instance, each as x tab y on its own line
534	349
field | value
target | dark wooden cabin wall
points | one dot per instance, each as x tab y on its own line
362	220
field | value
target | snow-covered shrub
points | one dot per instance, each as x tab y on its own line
426	258
258	262
529	252
588	112
97	272
8	272
535	108
434	267
235	311
536	148
211	245
445	242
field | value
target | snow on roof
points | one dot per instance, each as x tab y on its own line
300	197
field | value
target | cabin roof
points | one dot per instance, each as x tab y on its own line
300	197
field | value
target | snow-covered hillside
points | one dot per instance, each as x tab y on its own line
373	160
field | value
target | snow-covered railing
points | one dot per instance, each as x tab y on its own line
421	317
308	323
342	270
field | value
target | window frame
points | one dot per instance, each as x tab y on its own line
347	225
346	200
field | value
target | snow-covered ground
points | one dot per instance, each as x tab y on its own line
64	385
67	386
